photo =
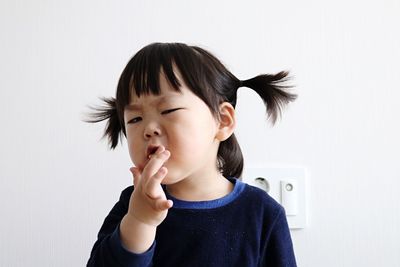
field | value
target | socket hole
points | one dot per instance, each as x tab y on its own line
289	187
263	183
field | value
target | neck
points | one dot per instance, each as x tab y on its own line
209	187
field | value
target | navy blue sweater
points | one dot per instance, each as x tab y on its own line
246	228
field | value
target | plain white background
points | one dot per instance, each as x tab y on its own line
59	180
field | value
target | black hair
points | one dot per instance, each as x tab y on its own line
205	76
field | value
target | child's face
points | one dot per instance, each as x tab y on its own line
182	123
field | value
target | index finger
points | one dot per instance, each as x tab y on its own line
154	165
153	187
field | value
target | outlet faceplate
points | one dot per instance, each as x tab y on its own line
287	185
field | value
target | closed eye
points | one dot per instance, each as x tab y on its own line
169	111
136	119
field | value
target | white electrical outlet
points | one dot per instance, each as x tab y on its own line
287	185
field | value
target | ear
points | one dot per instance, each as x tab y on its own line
227	121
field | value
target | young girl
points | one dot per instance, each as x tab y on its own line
175	104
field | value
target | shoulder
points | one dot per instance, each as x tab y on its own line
261	202
123	203
126	194
127	191
256	194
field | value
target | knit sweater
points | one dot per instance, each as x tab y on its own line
245	228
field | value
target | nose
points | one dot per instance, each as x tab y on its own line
152	129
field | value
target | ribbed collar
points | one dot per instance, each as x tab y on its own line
209	204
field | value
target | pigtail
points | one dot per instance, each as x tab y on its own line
274	94
108	112
230	158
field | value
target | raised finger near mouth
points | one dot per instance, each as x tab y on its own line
154	164
159	150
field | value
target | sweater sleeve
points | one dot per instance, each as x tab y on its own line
108	250
279	249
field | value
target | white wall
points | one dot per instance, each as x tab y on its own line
58	181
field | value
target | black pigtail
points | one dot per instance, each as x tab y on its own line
108	112
274	94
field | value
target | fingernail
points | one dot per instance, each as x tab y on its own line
160	150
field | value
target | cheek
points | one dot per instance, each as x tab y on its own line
188	144
133	148
132	155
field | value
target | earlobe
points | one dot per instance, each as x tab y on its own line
227	121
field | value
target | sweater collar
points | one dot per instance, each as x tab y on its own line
209	204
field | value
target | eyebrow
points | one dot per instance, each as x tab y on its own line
135	107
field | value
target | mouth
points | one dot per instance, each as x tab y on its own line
150	151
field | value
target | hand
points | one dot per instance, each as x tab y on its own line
148	203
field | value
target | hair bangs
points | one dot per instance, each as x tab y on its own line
144	70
